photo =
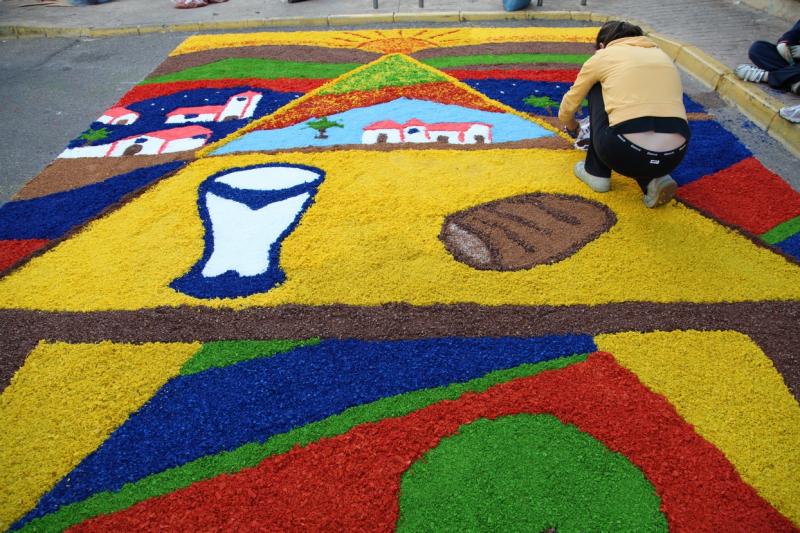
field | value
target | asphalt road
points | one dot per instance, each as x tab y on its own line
52	89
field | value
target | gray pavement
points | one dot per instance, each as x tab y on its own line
54	88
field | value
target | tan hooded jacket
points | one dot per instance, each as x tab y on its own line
638	79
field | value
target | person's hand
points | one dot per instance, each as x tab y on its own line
787	51
571	127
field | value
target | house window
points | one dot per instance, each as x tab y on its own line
191	115
240	98
201	136
141	140
412	130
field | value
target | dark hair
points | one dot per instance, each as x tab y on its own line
616	29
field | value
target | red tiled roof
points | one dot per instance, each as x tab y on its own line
115	112
414	122
173	134
200	110
455	126
384	125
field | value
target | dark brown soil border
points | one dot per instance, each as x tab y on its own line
772	325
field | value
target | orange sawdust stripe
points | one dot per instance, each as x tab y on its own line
329	104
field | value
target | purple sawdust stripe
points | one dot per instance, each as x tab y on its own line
773	323
220	409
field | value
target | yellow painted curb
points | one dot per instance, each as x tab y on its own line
494	15
182	27
110	32
296	21
703	67
442	16
785	132
343	20
754	103
23	32
669	46
232	25
580	15
548	15
599	17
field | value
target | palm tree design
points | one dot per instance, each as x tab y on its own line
543	102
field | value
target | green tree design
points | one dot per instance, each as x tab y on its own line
92	135
322	125
544	102
547	103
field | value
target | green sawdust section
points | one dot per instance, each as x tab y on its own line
508	59
224	353
391	71
526	473
252	454
234	68
783	231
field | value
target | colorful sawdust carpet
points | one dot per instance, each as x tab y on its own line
347	279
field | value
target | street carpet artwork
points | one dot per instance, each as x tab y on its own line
347	280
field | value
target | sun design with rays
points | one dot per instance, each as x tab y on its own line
393	42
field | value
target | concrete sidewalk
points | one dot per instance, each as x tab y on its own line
707	38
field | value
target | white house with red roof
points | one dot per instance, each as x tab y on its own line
118	116
417	131
238	106
151	143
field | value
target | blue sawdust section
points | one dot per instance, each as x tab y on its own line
153	113
223	408
52	216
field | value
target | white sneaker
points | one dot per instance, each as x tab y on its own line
750	73
791	113
660	191
596	183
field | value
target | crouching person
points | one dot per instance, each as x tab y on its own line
637	118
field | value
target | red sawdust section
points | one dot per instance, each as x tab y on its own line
12	251
155	90
330	104
351	482
565	76
746	194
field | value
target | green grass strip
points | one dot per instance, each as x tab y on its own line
508	59
526	473
394	71
252	454
223	353
782	231
256	68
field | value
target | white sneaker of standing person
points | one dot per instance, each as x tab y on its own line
596	183
660	191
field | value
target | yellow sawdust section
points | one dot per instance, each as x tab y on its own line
264	122
372	238
416	38
64	402
724	385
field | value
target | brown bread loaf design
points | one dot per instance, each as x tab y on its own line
524	231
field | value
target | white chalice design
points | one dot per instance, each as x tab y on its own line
247	213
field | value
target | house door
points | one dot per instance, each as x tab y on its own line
122	122
133	149
382	138
442	139
229	117
479	139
